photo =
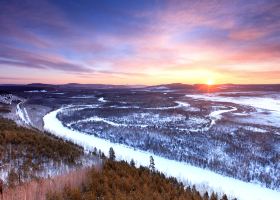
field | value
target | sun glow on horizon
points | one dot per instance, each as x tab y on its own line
210	82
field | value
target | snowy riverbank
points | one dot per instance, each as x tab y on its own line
184	172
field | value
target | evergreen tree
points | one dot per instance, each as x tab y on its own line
99	153
94	151
214	196
224	197
206	196
112	155
152	164
132	163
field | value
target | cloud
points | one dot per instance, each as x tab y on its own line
25	59
142	40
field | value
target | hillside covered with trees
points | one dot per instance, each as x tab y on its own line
28	158
122	181
26	154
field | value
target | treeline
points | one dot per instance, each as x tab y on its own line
25	152
122	181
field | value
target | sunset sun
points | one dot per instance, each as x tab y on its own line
210	82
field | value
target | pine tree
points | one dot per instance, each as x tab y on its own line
152	164
206	196
100	153
132	163
112	155
214	196
224	197
94	151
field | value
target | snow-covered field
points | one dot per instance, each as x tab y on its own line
183	171
267	106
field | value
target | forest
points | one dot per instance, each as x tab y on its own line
122	181
26	154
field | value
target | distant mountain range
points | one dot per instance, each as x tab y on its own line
162	87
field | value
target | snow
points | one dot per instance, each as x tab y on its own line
162	108
83	97
3	173
183	171
187	106
125	107
217	114
268	107
58	93
180	104
160	88
98	119
101	99
23	115
36	91
255	129
266	103
8	99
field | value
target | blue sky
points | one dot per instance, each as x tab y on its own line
139	42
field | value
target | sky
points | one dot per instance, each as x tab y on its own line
142	42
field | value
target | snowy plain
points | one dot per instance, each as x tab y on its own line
202	178
267	106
